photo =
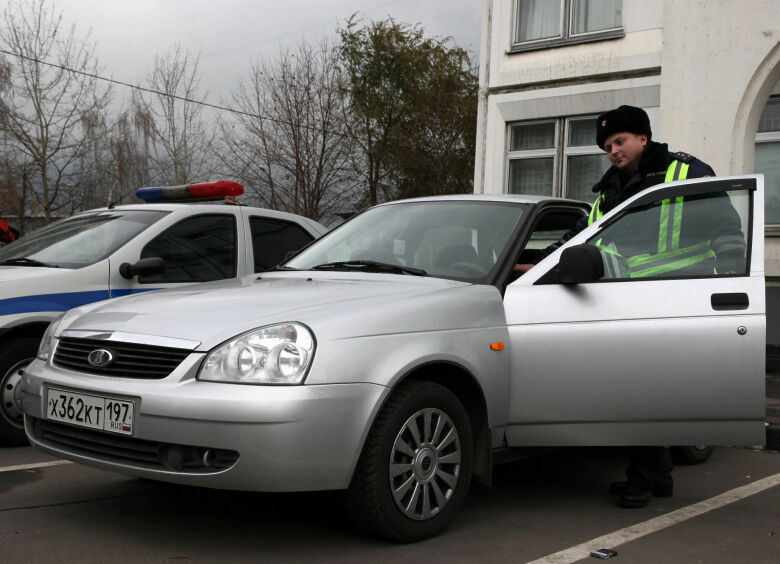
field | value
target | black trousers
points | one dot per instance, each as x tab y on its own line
649	466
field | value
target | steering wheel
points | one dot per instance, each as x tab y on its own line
468	268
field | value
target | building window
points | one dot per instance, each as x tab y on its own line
767	160
543	23
539	163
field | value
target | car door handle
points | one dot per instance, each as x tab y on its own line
736	300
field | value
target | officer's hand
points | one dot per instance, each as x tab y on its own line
730	262
523	268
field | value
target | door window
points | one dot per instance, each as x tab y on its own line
197	249
679	237
273	240
548	230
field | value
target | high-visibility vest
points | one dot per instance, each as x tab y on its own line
669	256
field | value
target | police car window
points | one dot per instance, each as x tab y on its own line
274	239
80	240
197	249
691	236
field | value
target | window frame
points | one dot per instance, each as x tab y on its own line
710	186
575	151
560	152
533	153
566	37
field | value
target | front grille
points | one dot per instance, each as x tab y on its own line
131	360
128	450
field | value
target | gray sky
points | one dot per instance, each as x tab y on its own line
231	33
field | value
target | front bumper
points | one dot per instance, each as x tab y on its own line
286	438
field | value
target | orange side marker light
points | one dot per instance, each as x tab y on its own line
497	346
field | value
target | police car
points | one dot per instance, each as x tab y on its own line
111	252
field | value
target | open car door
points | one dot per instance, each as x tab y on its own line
665	345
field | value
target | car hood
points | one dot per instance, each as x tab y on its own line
9	273
334	304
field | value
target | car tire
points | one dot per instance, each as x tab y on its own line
695	454
15	355
415	468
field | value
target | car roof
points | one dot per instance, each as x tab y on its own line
213	208
513	198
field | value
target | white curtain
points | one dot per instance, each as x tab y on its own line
595	15
538	19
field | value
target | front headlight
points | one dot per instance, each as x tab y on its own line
278	354
47	343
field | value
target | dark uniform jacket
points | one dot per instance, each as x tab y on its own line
722	226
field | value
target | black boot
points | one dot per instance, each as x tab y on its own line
659	490
634	497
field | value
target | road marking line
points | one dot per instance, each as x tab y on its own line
639	530
33	466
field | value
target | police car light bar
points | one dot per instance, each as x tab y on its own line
202	191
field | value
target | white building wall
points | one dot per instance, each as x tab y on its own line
720	62
639	49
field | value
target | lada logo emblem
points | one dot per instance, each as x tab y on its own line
100	358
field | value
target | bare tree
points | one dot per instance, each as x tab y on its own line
130	146
182	140
43	107
291	144
13	192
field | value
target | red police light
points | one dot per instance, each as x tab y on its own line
220	188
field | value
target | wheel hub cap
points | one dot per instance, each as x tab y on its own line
11	394
425	464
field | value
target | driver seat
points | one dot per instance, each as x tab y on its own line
456	253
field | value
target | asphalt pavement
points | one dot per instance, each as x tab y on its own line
553	509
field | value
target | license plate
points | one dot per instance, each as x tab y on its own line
86	410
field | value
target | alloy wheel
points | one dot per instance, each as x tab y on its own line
425	462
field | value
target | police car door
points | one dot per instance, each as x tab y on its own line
196	244
659	350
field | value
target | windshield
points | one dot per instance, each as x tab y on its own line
449	239
80	240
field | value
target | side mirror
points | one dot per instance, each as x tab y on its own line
580	264
151	265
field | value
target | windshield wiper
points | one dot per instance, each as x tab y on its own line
279	267
24	261
350	264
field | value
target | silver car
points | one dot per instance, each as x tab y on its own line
394	357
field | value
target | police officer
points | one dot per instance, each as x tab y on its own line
638	162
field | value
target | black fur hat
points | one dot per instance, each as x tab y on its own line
624	118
